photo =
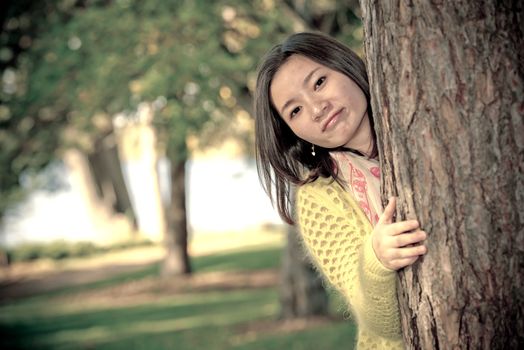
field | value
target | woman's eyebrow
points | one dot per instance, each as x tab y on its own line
307	78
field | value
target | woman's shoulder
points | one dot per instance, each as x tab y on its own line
326	199
325	190
322	185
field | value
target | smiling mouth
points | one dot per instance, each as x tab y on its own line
332	119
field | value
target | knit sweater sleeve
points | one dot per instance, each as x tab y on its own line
337	235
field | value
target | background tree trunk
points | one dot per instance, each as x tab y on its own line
107	172
176	261
301	291
447	96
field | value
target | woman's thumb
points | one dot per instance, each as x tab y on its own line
389	211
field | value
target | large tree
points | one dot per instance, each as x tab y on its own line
448	102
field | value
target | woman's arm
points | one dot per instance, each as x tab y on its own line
338	237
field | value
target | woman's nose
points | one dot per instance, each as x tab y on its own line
319	109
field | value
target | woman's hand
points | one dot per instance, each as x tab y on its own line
394	245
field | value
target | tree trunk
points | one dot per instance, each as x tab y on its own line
176	261
107	172
448	102
302	293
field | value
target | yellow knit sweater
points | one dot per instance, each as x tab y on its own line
337	235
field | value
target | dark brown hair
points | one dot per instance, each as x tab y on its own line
283	159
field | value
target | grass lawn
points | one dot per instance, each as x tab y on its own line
140	311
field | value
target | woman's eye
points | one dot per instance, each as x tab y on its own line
294	112
319	82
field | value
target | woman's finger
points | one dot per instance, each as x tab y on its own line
389	211
410	252
409	238
402	226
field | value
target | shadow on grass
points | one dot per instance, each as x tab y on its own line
235	261
30	292
53	328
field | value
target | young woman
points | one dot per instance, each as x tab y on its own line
314	130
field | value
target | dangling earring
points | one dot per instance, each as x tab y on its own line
313	150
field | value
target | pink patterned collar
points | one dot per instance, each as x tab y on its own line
362	177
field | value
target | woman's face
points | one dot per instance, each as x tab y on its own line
321	105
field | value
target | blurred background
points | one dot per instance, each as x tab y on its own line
131	214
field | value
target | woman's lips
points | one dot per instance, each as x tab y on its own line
332	120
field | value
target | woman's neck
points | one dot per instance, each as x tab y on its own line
362	141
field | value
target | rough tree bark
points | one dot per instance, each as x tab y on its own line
447	95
